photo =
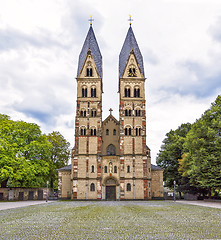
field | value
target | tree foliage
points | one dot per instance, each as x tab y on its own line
60	155
24	154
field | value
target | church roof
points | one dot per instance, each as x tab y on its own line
65	168
154	167
111	117
129	44
90	43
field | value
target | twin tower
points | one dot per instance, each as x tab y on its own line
110	160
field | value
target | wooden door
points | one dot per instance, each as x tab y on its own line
111	193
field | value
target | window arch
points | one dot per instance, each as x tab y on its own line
111	150
128	187
83	131
93	92
127	131
115	169
92	168
127	92
84	91
92	187
93	132
107	132
114	132
136	92
128	169
138	131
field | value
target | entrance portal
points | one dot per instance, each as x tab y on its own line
111	193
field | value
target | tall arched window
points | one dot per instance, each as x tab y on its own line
128	168
83	113
127	92
92	168
137	113
111	150
105	169
127	131
93	92
138	131
128	187
128	112
89	72
92	187
93	131
115	169
136	92
83	131
84	92
107	132
93	113
114	132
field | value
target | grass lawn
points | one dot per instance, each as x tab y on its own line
111	220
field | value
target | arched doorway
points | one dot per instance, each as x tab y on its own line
111	189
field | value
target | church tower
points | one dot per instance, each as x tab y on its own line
86	160
135	161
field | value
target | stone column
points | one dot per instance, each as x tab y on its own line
118	191
103	192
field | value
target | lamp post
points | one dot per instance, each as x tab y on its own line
174	184
47	192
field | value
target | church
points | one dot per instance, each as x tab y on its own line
110	159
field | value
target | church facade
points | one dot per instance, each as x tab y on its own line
110	160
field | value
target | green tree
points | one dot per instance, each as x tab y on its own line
171	151
60	155
24	154
202	159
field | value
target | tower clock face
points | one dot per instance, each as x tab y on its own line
132	71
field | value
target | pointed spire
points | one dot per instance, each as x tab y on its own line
130	43
90	43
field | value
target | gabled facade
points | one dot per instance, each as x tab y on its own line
110	160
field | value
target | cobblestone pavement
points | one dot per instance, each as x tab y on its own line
17	204
202	203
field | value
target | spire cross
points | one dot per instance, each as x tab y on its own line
130	19
91	20
111	110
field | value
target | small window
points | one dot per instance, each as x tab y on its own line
83	113
83	131
89	72
149	185
115	169
127	92
127	131
137	113
114	132
92	187
128	187
93	132
128	168
93	92
111	150
92	168
136	92
84	92
105	169
107	132
138	131
93	113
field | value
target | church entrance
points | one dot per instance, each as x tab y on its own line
111	193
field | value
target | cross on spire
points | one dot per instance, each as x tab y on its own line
111	110
130	19
91	20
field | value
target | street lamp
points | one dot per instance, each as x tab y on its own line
174	184
47	192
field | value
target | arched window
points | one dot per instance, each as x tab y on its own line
92	168
93	92
138	131
136	92
93	131
83	131
111	150
93	113
83	113
128	187
114	132
127	92
127	131
105	169
84	92
137	113
128	168
92	187
107	132
128	112
115	169
89	72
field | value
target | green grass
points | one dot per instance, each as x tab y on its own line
111	220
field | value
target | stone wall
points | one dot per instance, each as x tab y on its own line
157	183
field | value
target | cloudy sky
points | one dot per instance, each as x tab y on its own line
40	41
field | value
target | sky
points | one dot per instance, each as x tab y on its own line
40	42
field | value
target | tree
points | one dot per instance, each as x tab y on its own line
24	154
60	155
171	151
202	159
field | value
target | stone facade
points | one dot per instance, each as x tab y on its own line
110	160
